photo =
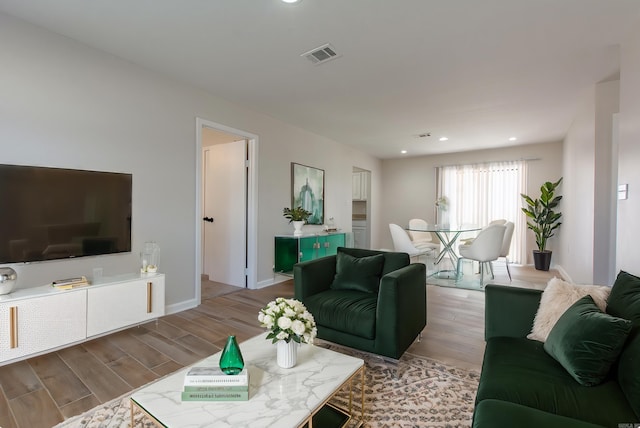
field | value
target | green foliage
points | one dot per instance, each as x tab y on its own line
542	219
296	214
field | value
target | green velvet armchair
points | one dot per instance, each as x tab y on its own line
374	301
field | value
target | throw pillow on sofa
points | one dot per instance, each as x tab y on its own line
358	273
556	299
586	341
624	302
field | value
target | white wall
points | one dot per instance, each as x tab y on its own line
588	188
409	189
629	155
605	192
576	250
63	104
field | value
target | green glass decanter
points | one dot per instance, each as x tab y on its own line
231	361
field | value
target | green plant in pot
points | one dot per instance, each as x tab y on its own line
298	216
543	220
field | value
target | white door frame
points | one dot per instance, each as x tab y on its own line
252	198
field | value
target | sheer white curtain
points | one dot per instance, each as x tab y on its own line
479	193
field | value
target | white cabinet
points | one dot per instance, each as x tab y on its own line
360	230
124	304
30	325
40	319
359	186
359	237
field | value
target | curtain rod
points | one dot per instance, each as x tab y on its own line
486	162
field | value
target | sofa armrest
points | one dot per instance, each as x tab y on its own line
509	311
313	277
402	308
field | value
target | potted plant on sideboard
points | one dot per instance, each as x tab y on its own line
543	221
298	216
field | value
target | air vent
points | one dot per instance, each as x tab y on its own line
321	54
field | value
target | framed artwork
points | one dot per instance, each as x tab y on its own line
307	191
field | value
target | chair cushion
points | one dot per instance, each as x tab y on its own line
624	302
556	298
587	341
519	370
358	273
349	311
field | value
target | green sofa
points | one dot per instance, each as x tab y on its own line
374	301
521	385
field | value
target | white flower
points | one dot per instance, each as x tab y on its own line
288	319
298	327
284	323
268	321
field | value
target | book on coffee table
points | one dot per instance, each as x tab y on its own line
216	395
215	388
212	384
213	376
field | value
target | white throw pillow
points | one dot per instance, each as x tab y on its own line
557	298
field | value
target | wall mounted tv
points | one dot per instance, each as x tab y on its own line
55	213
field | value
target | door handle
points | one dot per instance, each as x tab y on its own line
208	219
13	327
149	297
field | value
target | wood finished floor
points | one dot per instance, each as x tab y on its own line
45	390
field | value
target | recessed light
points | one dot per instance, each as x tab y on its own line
290	1
443	138
403	152
512	138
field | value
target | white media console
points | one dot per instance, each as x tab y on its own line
37	320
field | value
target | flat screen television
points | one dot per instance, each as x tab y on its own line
56	213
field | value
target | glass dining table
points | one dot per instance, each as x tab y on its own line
448	236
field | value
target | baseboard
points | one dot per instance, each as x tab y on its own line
277	279
563	273
181	306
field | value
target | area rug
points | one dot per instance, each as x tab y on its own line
418	392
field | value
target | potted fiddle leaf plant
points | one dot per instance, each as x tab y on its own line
543	220
298	216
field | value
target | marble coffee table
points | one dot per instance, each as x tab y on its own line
294	397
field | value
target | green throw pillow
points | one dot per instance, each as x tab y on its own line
358	273
624	302
624	299
586	341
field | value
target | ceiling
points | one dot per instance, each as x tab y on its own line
475	72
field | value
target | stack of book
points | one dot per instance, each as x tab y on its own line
212	384
66	284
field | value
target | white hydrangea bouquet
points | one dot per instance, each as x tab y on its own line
288	319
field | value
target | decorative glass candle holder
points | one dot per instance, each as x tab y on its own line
150	258
8	280
231	361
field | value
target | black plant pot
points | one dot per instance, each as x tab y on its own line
542	259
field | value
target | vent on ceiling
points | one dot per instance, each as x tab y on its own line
321	54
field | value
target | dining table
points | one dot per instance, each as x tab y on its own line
448	235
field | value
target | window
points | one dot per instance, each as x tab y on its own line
477	194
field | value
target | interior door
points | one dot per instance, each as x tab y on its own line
224	213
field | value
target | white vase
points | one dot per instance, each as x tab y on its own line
287	353
297	226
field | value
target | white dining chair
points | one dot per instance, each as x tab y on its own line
402	243
468	241
485	248
420	238
506	244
